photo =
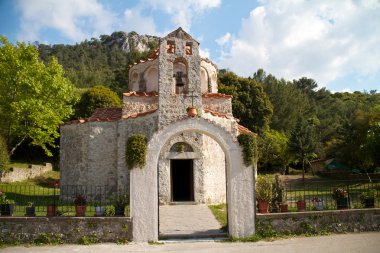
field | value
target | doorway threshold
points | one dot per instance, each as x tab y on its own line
183	203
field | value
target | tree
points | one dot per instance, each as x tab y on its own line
96	97
302	142
250	103
274	150
34	98
4	157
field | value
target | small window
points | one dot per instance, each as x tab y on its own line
189	48
170	46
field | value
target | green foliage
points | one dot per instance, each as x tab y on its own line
4	156
250	103
87	240
34	98
264	188
136	151
96	97
220	213
249	145
273	150
47	239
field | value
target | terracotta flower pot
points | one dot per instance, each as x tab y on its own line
80	211
192	112
51	210
284	208
263	206
301	206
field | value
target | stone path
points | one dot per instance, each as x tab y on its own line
188	221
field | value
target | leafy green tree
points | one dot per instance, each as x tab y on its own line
96	97
4	156
302	142
34	98
250	103
273	150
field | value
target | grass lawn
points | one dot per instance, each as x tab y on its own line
220	213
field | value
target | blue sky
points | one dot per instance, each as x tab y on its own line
335	42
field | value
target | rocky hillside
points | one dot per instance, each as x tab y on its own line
102	61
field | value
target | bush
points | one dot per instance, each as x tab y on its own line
264	188
249	145
96	97
4	156
136	151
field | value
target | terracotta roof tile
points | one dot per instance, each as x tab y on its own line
216	95
106	114
140	94
218	114
245	130
151	57
141	114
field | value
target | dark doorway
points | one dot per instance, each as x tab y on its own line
182	180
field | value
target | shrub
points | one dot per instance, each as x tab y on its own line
264	188
4	156
136	151
249	145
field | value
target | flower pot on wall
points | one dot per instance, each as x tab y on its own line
99	210
284	208
51	210
342	203
30	211
369	203
318	205
6	209
263	206
301	205
119	210
80	210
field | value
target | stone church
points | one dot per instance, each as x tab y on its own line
193	158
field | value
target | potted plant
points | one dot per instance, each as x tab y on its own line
6	205
368	198
120	201
318	203
192	111
264	192
51	210
341	197
301	204
80	203
99	209
30	209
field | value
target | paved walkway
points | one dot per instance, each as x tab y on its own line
347	243
188	221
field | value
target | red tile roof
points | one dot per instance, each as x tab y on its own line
151	57
218	114
141	94
245	130
106	114
216	95
141	114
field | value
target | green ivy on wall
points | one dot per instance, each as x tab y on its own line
136	151
249	144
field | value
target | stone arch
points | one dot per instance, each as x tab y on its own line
180	66
151	77
240	181
204	80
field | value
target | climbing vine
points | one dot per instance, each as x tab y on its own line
249	144
136	151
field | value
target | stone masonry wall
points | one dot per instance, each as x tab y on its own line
336	221
214	168
133	105
64	229
21	174
222	105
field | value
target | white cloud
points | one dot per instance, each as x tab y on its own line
205	53
182	13
74	19
133	20
323	40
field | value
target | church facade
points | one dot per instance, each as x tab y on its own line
193	158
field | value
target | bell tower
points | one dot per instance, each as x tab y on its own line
179	76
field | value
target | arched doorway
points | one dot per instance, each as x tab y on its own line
240	180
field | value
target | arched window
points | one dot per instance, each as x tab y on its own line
151	78
181	147
180	80
134	84
204	80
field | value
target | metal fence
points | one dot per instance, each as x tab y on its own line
322	191
63	198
